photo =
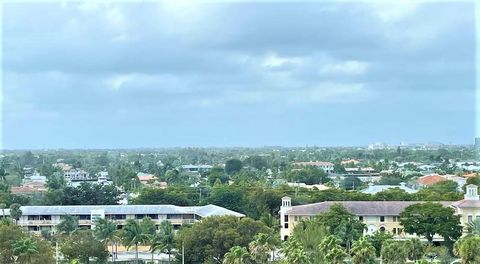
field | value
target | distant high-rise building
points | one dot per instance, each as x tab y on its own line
477	143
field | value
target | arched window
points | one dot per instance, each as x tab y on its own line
382	229
285	238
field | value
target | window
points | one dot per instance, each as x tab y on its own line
360	218
188	216
46	217
176	227
394	231
382	229
470	218
174	216
139	216
285	218
33	228
286	225
119	217
395	219
382	218
84	217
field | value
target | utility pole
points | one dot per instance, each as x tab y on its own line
56	252
183	252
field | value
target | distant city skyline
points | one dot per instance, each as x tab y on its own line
246	74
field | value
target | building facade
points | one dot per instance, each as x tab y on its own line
77	175
324	165
376	215
38	218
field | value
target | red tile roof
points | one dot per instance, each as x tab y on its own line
430	179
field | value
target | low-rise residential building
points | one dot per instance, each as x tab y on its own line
197	168
350	161
146	178
324	165
38	218
35	177
376	215
31	187
77	175
431	179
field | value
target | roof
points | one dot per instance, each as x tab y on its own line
373	189
430	179
203	211
470	175
27	189
146	177
467	203
314	163
373	208
190	166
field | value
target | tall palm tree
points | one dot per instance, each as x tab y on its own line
106	231
133	235
474	227
336	255
3	175
67	225
156	245
363	252
3	206
15	212
25	248
262	245
294	252
236	255
163	240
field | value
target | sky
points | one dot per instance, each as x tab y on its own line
223	74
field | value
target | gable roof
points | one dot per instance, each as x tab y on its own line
371	208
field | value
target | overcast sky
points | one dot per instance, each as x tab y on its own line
164	74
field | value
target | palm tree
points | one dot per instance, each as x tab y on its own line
133	235
336	255
262	245
468	249
156	245
15	212
363	252
3	175
236	255
3	206
294	252
67	225
474	227
106	231
163	240
414	248
25	248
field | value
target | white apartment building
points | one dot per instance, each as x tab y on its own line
38	218
77	175
324	165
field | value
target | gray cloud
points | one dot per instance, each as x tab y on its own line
124	61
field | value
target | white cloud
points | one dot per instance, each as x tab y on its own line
394	11
351	67
273	60
116	82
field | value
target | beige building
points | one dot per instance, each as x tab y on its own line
376	215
